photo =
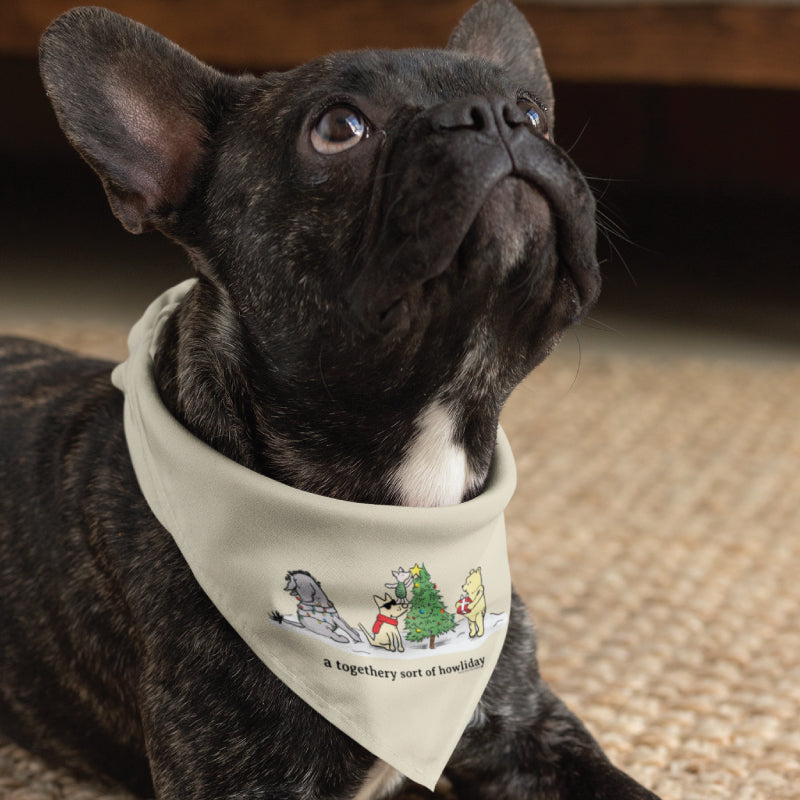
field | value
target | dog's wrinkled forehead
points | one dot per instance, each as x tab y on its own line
416	77
385	82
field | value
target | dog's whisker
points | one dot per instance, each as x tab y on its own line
579	137
596	324
578	365
598	179
609	225
610	229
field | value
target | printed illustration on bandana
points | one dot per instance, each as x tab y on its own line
472	603
402	584
427	616
385	631
410	622
315	612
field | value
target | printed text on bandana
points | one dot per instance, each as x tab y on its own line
465	665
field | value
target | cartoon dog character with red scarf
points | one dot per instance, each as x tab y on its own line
385	632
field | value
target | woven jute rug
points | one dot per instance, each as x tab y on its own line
655	536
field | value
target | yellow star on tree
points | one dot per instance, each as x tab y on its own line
415	570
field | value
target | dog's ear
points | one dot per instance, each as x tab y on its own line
497	31
136	106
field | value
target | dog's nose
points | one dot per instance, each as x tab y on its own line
480	115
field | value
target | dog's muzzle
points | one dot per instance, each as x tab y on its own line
450	159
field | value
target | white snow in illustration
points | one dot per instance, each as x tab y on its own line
455	641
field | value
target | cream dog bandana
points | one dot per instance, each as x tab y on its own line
387	620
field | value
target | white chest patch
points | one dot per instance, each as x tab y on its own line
434	470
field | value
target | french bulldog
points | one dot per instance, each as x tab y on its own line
386	243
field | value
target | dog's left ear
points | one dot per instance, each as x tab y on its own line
497	31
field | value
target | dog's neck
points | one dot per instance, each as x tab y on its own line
430	453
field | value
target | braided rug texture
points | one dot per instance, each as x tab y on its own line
655	536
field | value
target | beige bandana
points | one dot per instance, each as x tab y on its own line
387	620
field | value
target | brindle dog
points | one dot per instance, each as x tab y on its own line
386	244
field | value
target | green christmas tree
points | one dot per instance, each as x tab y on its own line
427	616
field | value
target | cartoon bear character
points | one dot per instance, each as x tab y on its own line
474	607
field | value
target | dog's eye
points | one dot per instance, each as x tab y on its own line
338	129
536	114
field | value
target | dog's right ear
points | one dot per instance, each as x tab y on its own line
136	106
498	31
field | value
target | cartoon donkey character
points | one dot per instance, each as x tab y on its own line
315	611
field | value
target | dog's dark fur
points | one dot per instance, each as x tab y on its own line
339	297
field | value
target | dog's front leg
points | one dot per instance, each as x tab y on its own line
219	726
525	743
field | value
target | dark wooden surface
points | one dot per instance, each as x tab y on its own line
754	46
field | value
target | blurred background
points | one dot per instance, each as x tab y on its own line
686	118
